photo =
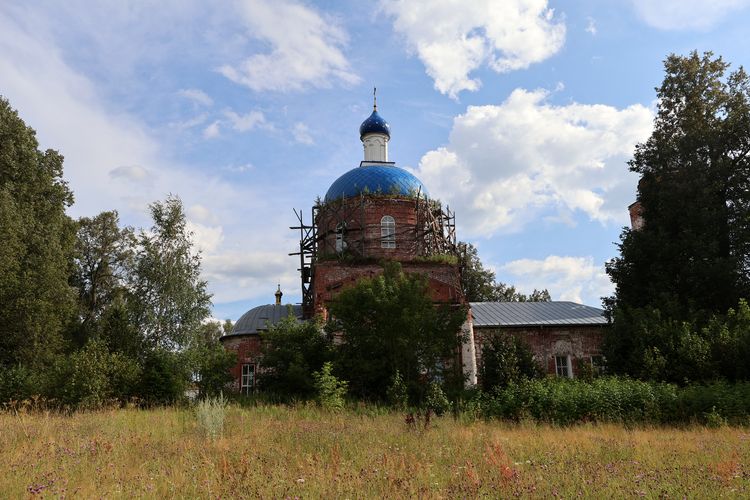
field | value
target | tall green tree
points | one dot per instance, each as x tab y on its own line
103	258
390	324
169	298
36	301
691	259
480	284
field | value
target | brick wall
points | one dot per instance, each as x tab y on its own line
331	277
248	349
361	218
546	342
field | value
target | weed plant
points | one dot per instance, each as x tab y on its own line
210	414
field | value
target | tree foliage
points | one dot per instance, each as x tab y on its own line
292	352
389	323
88	311
480	285
37	236
506	359
102	260
169	297
691	259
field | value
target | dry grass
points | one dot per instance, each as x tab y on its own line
276	452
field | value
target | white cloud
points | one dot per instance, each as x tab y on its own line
206	239
133	173
249	274
454	38
246	122
213	130
306	48
197	96
591	26
504	164
686	14
189	123
202	214
239	169
107	151
576	279
301	133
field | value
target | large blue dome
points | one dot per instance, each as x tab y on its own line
383	179
375	124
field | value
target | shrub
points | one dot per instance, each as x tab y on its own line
15	383
330	390
213	364
92	377
164	378
436	400
210	413
398	394
506	359
614	399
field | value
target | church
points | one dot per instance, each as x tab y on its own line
378	211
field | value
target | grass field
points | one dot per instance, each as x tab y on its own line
278	452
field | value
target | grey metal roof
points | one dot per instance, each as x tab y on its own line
261	317
535	314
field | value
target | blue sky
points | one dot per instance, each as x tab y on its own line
519	114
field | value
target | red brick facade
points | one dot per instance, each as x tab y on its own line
580	343
332	277
248	349
359	221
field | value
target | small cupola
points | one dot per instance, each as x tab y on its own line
375	134
278	295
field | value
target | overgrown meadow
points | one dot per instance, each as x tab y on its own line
304	451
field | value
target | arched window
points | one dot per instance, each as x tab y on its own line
387	232
340	243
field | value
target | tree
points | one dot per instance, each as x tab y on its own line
37	237
390	324
209	361
292	352
691	259
169	299
480	285
103	259
506	359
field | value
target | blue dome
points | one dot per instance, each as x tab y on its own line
375	124
384	179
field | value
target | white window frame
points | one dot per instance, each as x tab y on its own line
387	232
340	243
247	378
563	366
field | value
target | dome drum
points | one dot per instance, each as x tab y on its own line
353	228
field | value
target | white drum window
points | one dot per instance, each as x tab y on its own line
340	244
387	232
248	378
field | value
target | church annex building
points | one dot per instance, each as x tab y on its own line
379	211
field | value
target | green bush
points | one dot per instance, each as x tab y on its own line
15	383
330	390
436	400
92	377
614	399
398	393
212	364
164	378
506	359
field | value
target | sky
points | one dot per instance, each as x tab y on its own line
520	115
